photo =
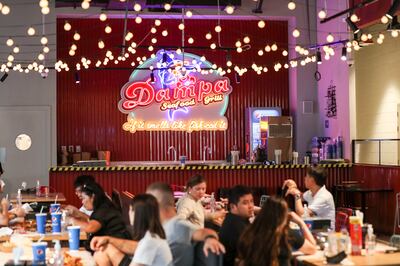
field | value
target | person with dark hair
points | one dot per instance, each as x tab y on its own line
105	220
79	182
320	200
190	208
241	208
2	184
180	235
269	241
148	244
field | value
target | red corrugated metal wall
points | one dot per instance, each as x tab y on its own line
87	113
137	181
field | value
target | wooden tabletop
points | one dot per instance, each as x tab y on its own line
377	259
33	198
47	237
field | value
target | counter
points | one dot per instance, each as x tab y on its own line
135	178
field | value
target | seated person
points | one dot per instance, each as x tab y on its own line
105	220
320	200
190	208
2	184
79	182
150	246
7	216
241	209
180	235
269	241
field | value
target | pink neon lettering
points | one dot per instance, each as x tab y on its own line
204	89
138	94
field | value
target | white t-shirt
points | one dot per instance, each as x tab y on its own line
85	211
152	251
321	204
189	209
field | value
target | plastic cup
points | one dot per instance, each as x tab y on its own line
74	237
39	252
56	222
54	207
309	223
41	222
182	160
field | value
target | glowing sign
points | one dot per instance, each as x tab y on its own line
177	96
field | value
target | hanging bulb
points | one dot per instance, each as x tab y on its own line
103	16
157	22
354	18
384	19
208	36
31	31
238	44
137	7
107	29
261	24
229	9
191	40
330	38
364	37
292	5
246	39
9	42
45	10
5	10
181	26
77	37
164	33
296	33
213	46
218	28
189	14
322	14
167	6
395	33
44	40
153	30
74	47
138	20
85	4
274	47
101	44
67	26
16	50
46	49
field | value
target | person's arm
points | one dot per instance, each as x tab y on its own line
91	226
214	215
184	210
309	245
4	212
125	246
298	204
76	213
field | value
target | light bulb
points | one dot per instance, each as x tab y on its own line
45	10
381	36
138	20
291	5
74	47
67	26
384	19
85	4
9	42
190	40
153	30
189	14
10	58
330	38
213	46
154	40
238	44
129	36
5	10
44	40
157	22
167	7
103	16
137	7
101	44
285	53
31	31
354	18
395	33
164	33
246	39
229	9
218	28
107	29
274	47
322	14
364	37
261	24
77	37
16	50
228	63
239	50
43	3
379	41
181	26
296	33
260	52
46	49
41	57
267	48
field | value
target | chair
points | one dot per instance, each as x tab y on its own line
116	199
341	220
348	211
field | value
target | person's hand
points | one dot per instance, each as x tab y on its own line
99	243
19	212
213	245
289	183
293	191
71	210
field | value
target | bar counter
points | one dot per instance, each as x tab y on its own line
135	178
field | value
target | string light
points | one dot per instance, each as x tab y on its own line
167	7
267	48
107	29
296	33
164	33
330	38
322	14
46	49
101	44
213	46
138	20
16	50
153	30
44	40
208	36
77	36
103	16
5	10
181	26
137	7
246	39
85	4
9	42
74	47
261	24
384	19
354	18
31	31
274	47
292	5
45	10
229	9
191	40
189	14
218	28
395	33
157	22
67	26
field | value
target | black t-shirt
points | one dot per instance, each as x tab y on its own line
111	222
229	234
296	241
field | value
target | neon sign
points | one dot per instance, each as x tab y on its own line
179	98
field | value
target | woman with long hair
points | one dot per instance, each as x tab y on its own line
105	220
266	241
190	208
152	248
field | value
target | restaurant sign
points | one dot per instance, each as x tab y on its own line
175	98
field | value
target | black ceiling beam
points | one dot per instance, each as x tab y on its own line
349	10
